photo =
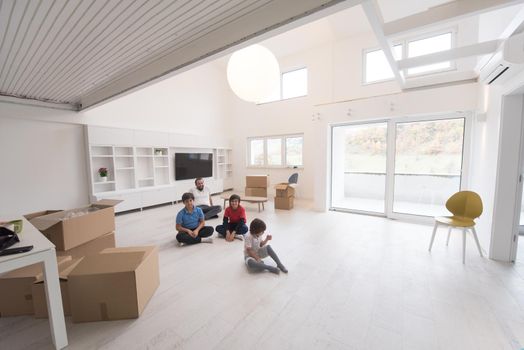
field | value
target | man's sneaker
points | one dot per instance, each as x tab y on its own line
207	240
239	237
180	244
282	268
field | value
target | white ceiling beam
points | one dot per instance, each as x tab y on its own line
441	79
444	13
484	48
375	20
510	29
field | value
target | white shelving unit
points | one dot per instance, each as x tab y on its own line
224	170
142	174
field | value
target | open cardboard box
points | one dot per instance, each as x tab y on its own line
285	189
70	228
115	284
38	290
15	288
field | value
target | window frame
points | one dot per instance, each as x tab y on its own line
283	150
281	86
404	42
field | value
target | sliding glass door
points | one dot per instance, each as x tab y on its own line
359	167
428	165
397	167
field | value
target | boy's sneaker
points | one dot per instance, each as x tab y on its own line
180	244
207	240
239	237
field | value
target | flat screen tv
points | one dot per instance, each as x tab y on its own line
193	165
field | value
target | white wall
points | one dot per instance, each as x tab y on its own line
46	146
43	166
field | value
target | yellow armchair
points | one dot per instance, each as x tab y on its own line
465	206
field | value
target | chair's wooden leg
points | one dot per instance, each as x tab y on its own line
476	240
433	236
463	245
449	235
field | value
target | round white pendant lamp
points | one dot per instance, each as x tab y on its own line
253	73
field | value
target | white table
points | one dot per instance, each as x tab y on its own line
44	252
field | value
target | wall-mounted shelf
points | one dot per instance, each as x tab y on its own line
141	173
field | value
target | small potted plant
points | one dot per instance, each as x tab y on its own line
102	172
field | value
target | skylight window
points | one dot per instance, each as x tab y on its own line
426	46
377	69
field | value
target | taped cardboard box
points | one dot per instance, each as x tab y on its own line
115	284
70	228
285	190
90	248
38	290
261	181
284	202
15	289
256	192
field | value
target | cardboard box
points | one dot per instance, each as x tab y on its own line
38	290
70	228
15	289
284	202
90	248
285	190
31	216
115	284
261	181
256	192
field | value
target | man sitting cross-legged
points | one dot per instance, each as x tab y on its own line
203	199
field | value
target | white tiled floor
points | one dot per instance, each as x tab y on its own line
355	282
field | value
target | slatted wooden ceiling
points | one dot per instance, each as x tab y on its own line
62	51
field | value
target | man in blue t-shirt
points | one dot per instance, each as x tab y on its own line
190	223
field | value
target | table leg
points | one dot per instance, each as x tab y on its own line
54	301
263	206
224	204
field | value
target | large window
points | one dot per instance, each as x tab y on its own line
377	69
292	84
276	151
421	170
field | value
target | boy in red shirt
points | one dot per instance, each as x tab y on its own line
234	223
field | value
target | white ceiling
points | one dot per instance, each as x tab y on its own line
84	52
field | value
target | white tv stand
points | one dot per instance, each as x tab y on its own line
141	165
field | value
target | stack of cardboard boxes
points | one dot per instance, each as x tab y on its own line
256	185
97	281
285	196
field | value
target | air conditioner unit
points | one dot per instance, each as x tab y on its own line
505	63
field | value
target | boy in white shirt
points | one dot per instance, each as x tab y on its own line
256	249
203	199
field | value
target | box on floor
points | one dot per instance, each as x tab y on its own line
71	228
38	290
115	284
15	288
286	203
